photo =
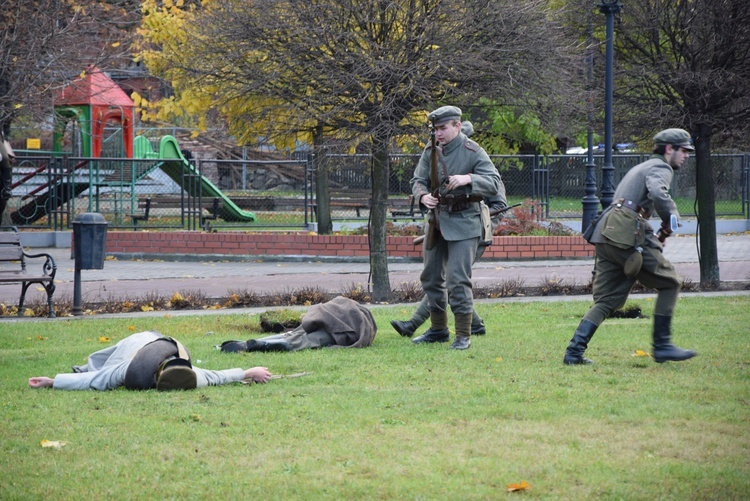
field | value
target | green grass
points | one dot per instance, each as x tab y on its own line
394	421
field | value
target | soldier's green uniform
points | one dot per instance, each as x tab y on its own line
619	234
420	316
446	278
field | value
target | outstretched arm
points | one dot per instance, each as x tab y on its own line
41	382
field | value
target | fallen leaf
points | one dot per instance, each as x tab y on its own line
523	486
103	339
641	353
53	443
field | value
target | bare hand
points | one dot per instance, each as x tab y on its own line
41	382
458	180
258	374
428	201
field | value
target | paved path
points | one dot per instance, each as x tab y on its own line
124	278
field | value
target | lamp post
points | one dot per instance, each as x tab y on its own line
590	201
609	8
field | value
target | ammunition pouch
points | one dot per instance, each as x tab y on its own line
457	203
624	228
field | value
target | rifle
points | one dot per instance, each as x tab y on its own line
433	223
418	240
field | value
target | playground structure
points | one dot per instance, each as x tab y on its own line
99	165
77	177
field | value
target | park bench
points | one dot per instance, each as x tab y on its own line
143	216
357	205
402	208
13	261
147	204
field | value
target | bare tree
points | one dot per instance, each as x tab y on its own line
686	63
364	72
44	44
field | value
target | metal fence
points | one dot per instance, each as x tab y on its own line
211	194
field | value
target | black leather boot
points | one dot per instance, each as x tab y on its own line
268	345
233	346
579	343
664	350
406	329
438	331
463	332
477	326
433	336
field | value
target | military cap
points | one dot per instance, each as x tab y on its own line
444	114
467	128
675	137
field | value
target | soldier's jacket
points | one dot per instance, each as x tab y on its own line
460	156
647	184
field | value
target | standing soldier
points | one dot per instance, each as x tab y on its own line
627	249
454	174
496	204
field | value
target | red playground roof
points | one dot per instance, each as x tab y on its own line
93	88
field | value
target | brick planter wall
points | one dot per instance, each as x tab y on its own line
305	244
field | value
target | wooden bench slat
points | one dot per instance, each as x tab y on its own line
8	253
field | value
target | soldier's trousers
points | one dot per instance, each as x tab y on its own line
611	286
446	277
301	340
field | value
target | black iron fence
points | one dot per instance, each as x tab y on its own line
211	194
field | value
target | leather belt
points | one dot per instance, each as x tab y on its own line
457	203
629	204
455	199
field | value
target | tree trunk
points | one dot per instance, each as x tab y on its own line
704	182
322	197
381	283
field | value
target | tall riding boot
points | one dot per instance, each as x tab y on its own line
270	343
664	350
463	331
438	331
579	343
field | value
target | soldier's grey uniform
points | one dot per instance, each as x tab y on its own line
621	229
446	277
619	233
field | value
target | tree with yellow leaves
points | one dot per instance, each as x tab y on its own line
358	73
